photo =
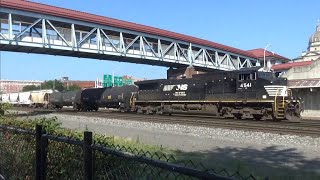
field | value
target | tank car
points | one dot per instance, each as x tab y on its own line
55	100
243	94
69	97
88	99
118	97
60	99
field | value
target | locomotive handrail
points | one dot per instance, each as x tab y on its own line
275	100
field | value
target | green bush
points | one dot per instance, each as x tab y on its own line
4	107
65	161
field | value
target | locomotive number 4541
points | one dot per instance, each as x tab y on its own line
245	85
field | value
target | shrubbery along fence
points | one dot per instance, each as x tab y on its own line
37	155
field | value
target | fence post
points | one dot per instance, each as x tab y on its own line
38	151
43	161
1	110
88	158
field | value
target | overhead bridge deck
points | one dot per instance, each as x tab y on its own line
37	28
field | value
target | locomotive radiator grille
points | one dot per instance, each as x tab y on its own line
274	90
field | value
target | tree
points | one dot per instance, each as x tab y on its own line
51	84
73	88
31	88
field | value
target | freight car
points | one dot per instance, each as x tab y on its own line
14	98
88	99
5	98
24	99
55	100
243	94
29	99
59	99
40	98
119	97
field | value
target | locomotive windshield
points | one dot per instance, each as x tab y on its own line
266	75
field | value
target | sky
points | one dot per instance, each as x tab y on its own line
246	24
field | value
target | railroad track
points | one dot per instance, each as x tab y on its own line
304	128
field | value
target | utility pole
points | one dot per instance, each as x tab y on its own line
112	78
1	109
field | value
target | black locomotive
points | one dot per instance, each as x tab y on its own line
243	94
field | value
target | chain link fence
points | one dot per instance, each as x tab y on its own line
17	153
64	160
37	155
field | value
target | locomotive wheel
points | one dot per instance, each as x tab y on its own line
148	112
139	111
238	116
84	108
257	117
292	117
159	110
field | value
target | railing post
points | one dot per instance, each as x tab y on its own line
38	151
88	158
43	161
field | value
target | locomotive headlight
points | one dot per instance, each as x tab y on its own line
264	96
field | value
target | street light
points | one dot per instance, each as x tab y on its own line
264	56
54	82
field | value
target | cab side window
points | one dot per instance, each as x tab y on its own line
247	76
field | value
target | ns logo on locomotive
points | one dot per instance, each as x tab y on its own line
242	94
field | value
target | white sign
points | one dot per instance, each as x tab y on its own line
245	85
178	87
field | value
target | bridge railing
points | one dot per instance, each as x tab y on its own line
81	37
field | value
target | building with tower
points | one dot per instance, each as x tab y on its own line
304	77
313	51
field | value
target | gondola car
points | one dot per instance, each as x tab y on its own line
242	94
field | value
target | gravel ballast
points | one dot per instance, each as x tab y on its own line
255	148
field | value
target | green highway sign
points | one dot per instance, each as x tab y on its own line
127	81
116	81
107	80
